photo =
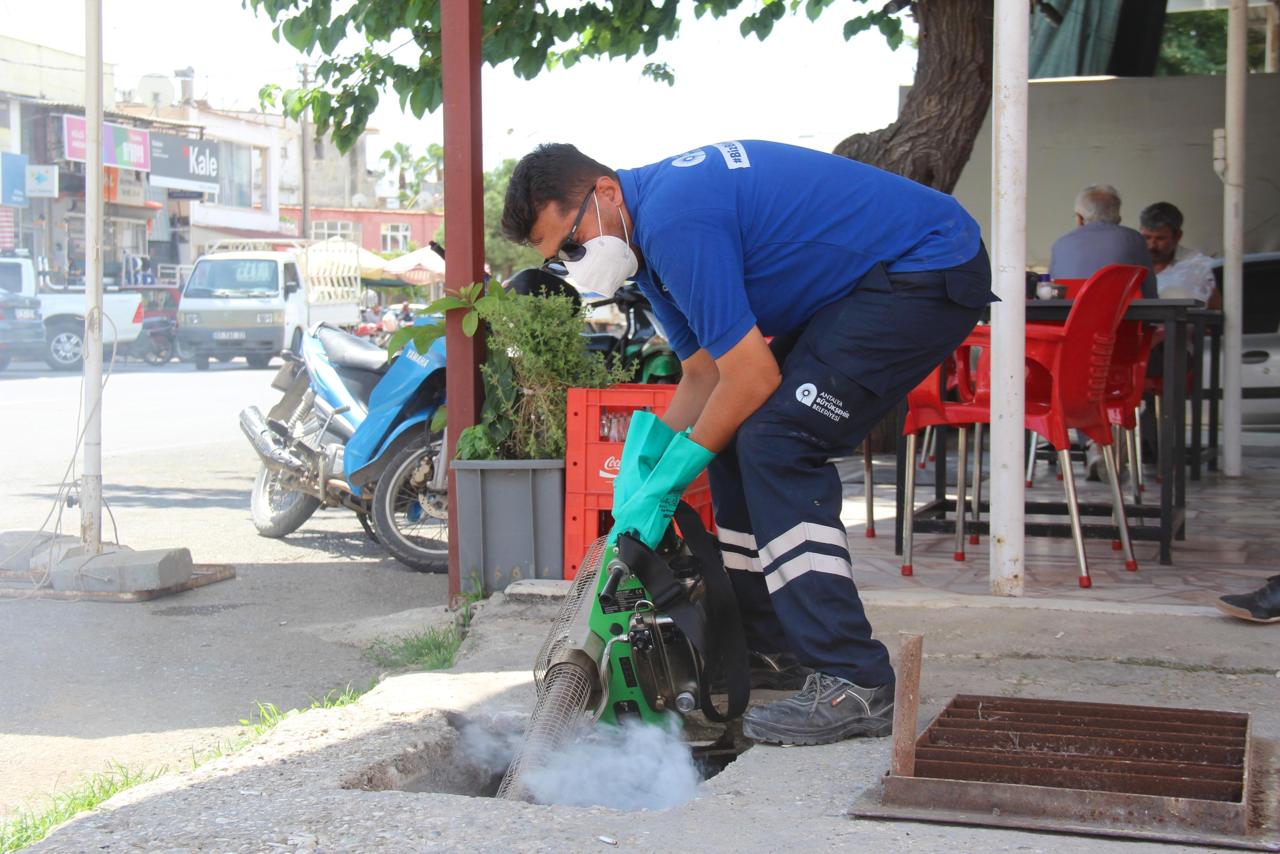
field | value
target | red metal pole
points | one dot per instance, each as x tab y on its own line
460	24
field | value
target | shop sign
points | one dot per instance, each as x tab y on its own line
122	187
13	180
42	182
128	148
184	164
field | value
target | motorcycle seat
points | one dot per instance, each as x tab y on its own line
348	351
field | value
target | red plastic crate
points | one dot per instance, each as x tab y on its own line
595	426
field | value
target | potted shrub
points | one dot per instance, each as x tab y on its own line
510	466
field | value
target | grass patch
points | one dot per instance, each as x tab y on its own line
434	649
28	827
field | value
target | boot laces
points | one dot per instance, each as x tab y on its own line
815	685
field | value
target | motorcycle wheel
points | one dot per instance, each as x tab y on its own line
278	512
408	518
160	353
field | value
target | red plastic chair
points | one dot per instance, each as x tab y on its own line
1067	372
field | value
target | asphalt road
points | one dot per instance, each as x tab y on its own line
86	684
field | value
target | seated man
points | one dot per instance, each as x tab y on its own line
1099	239
1181	272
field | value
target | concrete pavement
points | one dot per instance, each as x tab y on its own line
84	684
318	782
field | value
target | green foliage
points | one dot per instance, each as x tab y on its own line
27	827
532	36
434	649
536	353
503	256
1196	43
415	174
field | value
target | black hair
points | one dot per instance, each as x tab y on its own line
553	173
1161	214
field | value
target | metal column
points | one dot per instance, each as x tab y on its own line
1233	236
460	22
91	482
1008	317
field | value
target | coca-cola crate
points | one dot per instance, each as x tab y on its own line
588	516
595	428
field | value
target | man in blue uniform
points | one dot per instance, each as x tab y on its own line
864	280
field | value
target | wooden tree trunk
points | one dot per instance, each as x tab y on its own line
933	137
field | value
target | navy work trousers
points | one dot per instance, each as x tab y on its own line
777	497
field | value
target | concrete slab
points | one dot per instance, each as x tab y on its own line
121	570
534	590
19	550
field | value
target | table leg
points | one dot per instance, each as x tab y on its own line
900	473
1215	392
1180	424
1167	439
1197	394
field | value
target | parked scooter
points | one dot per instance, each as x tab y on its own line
641	345
353	431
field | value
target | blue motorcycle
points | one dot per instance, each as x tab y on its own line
351	430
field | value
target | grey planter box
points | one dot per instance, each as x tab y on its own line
510	521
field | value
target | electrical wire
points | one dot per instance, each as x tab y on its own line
69	481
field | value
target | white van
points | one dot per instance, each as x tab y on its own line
254	298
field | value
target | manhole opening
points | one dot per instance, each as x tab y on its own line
471	758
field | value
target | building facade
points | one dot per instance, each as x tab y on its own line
376	229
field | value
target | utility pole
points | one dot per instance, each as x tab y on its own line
91	484
305	141
1273	37
1233	181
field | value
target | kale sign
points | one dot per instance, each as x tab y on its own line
179	163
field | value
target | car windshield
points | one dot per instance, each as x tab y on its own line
233	277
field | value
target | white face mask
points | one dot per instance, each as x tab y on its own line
607	263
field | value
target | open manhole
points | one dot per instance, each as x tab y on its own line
1175	775
471	757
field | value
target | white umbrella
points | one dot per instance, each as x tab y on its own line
420	267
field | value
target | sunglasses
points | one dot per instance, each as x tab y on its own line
570	249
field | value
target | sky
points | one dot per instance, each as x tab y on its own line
805	85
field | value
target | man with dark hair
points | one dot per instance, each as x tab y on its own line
865	281
1181	272
1098	240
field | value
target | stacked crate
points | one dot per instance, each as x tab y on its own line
595	428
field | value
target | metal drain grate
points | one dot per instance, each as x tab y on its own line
1174	753
1174	775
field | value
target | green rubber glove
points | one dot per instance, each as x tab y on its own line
647	439
647	513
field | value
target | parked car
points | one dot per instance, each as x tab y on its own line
63	312
1260	372
21	328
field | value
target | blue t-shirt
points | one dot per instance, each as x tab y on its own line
749	233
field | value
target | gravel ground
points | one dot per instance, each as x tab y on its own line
291	791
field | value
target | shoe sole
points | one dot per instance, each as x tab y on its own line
766	734
1241	613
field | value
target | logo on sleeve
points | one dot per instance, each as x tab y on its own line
690	158
806	393
734	154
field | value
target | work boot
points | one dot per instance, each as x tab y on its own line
1260	606
771	671
827	709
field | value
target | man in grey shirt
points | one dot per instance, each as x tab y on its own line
1099	239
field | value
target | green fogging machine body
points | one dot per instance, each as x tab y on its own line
642	633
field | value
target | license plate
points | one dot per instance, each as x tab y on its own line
228	336
26	314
